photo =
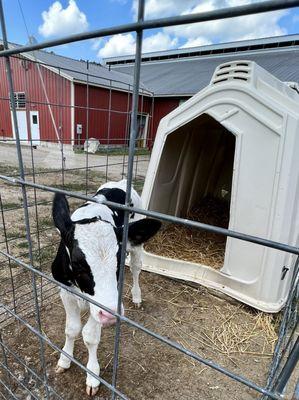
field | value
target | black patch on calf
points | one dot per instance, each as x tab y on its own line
84	205
60	267
118	257
61	216
116	196
81	271
140	231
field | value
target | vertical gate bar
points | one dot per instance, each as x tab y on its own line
136	158
8	251
127	130
58	80
5	358
150	139
283	325
109	127
288	368
87	130
24	193
296	392
34	180
133	133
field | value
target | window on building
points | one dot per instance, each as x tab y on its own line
20	100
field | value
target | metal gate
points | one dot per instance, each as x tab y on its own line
16	304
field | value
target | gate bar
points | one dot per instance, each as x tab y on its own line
163	217
24	194
288	368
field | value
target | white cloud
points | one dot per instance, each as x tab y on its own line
199	41
193	35
96	43
124	44
60	21
157	42
164	8
241	28
118	45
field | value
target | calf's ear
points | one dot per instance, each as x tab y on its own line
61	215
140	231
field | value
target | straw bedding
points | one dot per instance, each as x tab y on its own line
189	244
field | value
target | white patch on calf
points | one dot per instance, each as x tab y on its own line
98	243
93	210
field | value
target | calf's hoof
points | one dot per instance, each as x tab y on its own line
60	370
137	305
91	391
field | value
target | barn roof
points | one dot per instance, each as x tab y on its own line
77	70
186	71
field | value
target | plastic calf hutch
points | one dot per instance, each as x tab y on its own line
236	139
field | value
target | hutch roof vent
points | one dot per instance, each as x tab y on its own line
238	70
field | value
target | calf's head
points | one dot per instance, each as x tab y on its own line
92	251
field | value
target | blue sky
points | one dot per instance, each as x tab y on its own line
48	19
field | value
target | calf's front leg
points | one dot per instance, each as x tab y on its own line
91	335
136	265
72	328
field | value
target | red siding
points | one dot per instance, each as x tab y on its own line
26	79
107	113
162	106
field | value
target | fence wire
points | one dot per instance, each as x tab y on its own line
27	244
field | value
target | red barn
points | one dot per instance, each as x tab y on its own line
62	99
176	75
59	99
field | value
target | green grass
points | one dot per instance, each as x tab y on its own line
22	245
138	185
8	205
116	151
45	222
15	234
73	187
46	253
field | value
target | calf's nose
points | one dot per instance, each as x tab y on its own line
106	318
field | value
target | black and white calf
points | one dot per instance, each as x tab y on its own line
88	259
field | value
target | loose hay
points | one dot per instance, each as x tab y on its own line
189	244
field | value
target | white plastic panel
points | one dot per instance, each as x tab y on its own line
239	137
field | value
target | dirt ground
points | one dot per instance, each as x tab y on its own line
202	322
232	335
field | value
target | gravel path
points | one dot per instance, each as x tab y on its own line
50	158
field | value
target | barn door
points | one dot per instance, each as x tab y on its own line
142	124
22	125
34	127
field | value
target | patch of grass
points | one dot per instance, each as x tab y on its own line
45	222
22	245
46	253
138	185
8	169
116	151
73	187
15	234
9	205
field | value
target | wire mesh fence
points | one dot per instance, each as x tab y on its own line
30	309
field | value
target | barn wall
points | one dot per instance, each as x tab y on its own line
103	117
162	107
26	79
